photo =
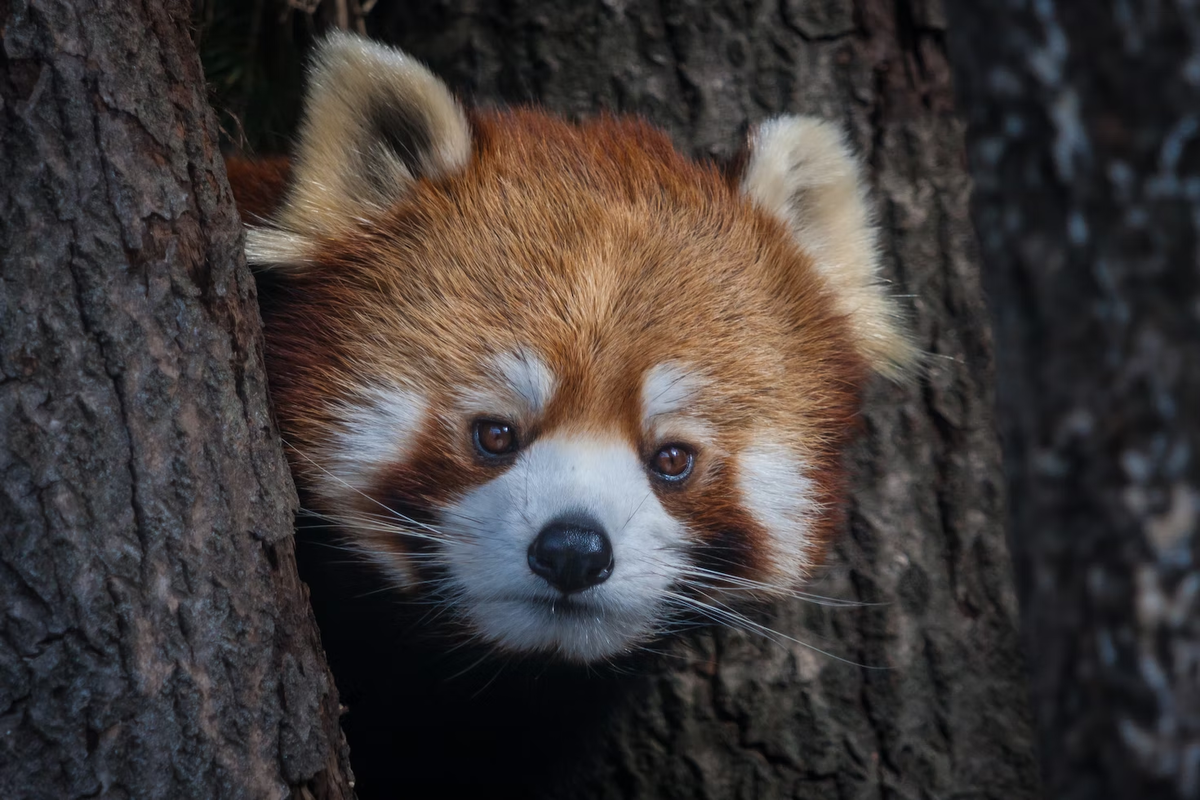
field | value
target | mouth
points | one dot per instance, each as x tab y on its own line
569	628
563	606
568	607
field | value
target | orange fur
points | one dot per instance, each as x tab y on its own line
429	270
607	251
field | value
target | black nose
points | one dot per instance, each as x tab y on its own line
572	554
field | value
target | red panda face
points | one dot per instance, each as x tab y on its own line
557	376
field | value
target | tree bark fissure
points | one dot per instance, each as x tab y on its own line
151	646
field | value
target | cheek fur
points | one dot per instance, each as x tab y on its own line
764	515
440	467
377	426
387	483
727	538
777	491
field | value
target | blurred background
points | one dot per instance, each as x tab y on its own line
1080	122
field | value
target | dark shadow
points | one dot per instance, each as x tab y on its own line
431	716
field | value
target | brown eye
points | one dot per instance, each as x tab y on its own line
673	462
494	438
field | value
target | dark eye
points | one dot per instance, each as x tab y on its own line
673	462
495	438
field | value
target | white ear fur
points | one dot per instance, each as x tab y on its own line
375	121
802	171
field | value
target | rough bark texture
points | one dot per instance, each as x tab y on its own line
1085	144
941	709
155	642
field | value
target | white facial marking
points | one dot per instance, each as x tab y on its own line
777	491
522	386
668	389
375	428
669	393
495	524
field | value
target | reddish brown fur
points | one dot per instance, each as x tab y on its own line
606	251
258	185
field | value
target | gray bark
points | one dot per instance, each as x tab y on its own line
1085	144
156	641
740	716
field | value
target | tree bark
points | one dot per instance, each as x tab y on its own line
939	707
156	640
1086	148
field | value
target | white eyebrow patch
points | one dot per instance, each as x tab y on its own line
375	427
527	376
779	494
522	384
668	388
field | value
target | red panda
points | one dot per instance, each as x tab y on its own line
556	377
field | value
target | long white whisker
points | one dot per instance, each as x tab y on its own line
712	579
719	613
388	509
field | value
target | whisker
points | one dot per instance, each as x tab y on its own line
491	680
634	512
378	524
749	585
356	490
718	613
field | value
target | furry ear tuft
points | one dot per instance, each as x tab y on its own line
375	121
801	170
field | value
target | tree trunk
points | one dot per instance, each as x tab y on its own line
938	707
1086	146
156	641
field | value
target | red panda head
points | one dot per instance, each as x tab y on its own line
557	375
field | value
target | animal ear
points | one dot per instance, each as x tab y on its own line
375	121
801	170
